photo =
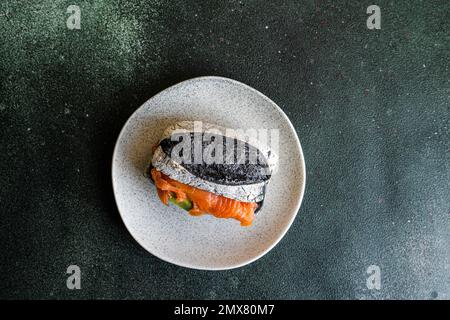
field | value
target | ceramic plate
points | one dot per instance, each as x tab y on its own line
205	242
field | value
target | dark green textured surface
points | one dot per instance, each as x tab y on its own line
371	108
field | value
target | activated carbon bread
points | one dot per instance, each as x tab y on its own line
243	181
241	163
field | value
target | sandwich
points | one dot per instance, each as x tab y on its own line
208	169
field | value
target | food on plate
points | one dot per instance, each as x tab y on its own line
208	169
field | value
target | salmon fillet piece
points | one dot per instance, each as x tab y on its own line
203	202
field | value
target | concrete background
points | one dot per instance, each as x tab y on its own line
371	107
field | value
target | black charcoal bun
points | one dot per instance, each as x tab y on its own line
238	176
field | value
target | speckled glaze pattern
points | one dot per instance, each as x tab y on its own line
205	242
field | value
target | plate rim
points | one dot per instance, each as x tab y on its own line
297	205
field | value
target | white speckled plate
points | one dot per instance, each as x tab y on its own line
205	242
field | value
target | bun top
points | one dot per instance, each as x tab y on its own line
218	158
228	162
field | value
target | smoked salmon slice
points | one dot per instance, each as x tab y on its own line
203	202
